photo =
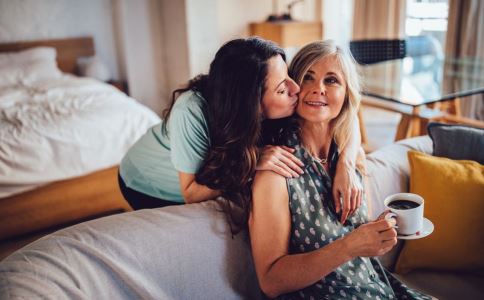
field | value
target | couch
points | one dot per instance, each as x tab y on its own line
188	252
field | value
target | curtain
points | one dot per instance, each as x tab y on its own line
465	40
379	19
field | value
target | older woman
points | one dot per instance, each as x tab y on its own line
300	247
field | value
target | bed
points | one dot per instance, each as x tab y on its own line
62	138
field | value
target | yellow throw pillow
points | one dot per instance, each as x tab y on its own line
453	191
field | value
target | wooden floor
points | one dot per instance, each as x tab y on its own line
381	127
8	246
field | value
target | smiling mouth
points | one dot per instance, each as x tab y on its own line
316	103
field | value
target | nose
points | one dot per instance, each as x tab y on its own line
294	88
319	88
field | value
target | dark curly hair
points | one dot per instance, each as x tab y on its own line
233	89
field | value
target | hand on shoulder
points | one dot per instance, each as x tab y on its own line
281	160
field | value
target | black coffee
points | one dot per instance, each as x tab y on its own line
403	204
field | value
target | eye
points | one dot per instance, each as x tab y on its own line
331	80
307	77
284	89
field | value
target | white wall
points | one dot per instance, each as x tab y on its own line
203	34
175	44
338	20
234	17
50	19
211	23
140	35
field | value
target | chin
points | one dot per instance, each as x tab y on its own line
318	120
281	115
313	118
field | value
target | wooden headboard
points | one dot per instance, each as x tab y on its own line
68	50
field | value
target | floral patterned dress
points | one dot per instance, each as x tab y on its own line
314	224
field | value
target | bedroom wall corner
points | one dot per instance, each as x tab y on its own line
140	35
175	45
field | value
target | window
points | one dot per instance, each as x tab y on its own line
427	18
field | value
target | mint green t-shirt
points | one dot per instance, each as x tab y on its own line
151	165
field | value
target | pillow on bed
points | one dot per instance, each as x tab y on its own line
28	66
27	56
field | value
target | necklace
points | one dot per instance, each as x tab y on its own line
315	157
321	160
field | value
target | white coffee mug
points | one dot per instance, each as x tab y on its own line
410	220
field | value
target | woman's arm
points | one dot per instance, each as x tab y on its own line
269	227
189	144
192	191
346	184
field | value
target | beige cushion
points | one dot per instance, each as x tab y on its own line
388	170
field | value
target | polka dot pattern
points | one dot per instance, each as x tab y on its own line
315	224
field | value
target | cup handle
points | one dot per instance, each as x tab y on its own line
390	215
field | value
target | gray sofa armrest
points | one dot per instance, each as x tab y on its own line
178	252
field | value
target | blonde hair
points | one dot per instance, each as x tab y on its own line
342	125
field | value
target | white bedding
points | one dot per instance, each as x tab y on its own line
63	128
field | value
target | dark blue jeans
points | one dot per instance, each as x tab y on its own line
138	200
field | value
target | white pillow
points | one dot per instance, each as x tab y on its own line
93	67
27	56
28	66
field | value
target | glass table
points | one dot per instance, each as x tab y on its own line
421	88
